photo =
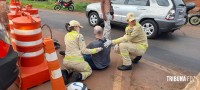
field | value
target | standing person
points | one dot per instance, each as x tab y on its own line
75	47
4	13
108	14
133	43
99	60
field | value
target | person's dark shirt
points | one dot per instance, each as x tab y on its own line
101	59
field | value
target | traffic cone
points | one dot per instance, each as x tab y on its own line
11	30
28	40
56	78
34	12
14	4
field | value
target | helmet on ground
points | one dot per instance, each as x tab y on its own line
76	86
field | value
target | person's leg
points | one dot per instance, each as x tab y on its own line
83	70
107	27
66	71
88	59
124	51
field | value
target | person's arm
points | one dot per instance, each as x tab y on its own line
103	10
119	40
83	48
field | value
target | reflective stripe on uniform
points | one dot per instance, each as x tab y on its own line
51	57
141	47
94	50
55	74
74	58
124	54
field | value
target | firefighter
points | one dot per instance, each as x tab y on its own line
133	43
75	47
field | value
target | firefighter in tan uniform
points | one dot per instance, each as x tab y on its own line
75	47
133	43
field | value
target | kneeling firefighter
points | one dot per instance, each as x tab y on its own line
132	44
75	46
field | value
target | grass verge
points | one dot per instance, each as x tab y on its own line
78	6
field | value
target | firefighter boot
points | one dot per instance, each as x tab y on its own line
76	76
124	68
136	60
65	75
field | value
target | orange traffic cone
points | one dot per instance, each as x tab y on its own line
56	78
28	40
14	4
34	12
10	17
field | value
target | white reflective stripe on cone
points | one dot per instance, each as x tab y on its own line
12	31
26	44
14	6
55	74
10	22
27	32
35	15
12	11
51	57
32	54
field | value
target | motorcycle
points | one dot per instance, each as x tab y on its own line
195	19
189	6
62	4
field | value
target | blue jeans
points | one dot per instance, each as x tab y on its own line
88	58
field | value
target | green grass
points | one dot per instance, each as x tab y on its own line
78	6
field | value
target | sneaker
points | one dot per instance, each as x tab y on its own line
76	76
136	60
62	53
124	68
65	76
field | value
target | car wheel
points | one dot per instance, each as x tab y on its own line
94	19
151	28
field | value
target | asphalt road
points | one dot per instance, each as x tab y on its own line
177	51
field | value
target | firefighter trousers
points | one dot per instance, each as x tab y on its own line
129	51
78	66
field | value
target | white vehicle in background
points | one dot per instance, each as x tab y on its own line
156	16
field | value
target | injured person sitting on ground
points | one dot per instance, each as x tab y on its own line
99	60
75	48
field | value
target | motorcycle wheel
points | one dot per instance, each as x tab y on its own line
57	7
71	8
194	20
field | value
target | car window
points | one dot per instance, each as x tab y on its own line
118	1
163	2
139	2
179	2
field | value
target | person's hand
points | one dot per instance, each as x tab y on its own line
99	49
107	43
116	47
104	18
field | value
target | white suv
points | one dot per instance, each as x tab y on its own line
156	16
